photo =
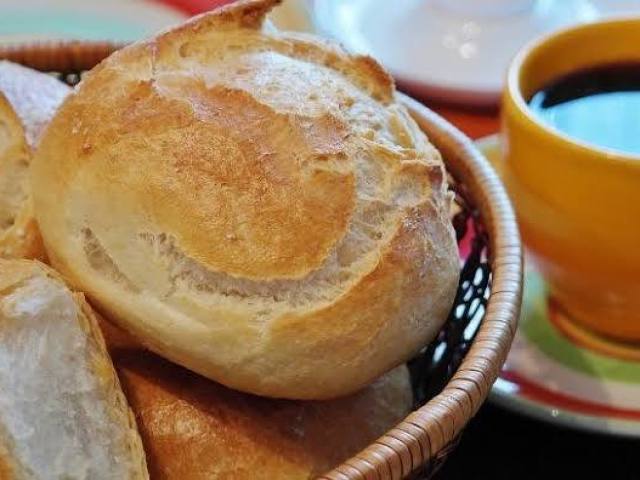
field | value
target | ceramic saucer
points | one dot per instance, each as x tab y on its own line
560	373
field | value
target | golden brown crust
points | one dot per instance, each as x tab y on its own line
23	240
252	204
28	99
195	429
7	466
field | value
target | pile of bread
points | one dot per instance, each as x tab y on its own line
254	207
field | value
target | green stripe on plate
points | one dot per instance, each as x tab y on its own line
537	328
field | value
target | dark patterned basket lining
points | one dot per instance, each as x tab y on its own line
434	366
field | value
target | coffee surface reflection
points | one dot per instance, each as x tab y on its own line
599	106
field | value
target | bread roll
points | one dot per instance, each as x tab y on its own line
28	100
62	412
195	429
252	204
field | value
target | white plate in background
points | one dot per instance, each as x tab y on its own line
453	50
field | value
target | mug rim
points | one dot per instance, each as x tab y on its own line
514	91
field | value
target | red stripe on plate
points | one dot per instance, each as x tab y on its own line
537	393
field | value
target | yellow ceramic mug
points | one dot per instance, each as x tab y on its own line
578	205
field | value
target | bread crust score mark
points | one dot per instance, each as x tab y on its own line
252	204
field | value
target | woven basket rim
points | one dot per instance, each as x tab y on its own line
427	432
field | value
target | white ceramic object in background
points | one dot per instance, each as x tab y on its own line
454	50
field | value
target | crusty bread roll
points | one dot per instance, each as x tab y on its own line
62	412
195	429
252	204
28	100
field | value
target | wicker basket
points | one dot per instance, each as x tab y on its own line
451	377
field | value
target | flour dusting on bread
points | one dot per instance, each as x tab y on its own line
255	205
62	413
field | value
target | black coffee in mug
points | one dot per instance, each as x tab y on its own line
599	106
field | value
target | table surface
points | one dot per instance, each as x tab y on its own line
498	444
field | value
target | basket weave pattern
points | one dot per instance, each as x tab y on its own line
452	377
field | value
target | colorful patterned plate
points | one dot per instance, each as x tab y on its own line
558	372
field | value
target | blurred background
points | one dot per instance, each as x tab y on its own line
454	51
120	20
